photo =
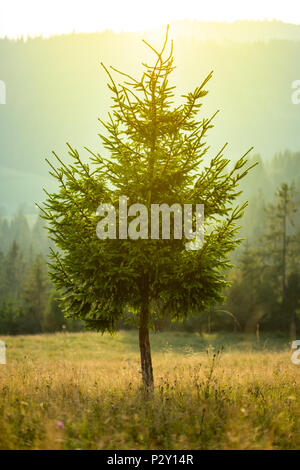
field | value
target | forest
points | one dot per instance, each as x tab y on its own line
265	280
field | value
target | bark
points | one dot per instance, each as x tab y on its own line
146	360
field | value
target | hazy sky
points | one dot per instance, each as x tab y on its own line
34	17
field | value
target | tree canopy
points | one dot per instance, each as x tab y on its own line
156	155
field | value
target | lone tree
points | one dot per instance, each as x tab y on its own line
156	153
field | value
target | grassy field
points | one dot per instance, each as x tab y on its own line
82	391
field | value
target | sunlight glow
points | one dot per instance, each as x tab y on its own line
36	17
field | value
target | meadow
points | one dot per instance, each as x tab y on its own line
82	391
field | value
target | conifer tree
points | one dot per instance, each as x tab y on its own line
36	291
14	270
278	250
156	153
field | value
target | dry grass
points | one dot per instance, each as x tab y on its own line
82	391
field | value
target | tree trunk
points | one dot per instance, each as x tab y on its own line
146	361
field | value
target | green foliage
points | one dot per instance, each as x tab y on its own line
36	291
279	249
27	302
156	155
265	287
11	316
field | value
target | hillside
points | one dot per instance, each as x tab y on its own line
56	90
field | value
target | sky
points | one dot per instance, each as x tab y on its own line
46	17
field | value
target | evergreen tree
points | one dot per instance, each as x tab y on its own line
276	251
54	317
14	271
249	289
39	238
36	291
251	296
5	236
156	154
2	274
11	318
20	231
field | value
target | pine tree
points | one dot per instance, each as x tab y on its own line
54	317
278	250
20	231
5	235
2	274
14	271
36	291
156	152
